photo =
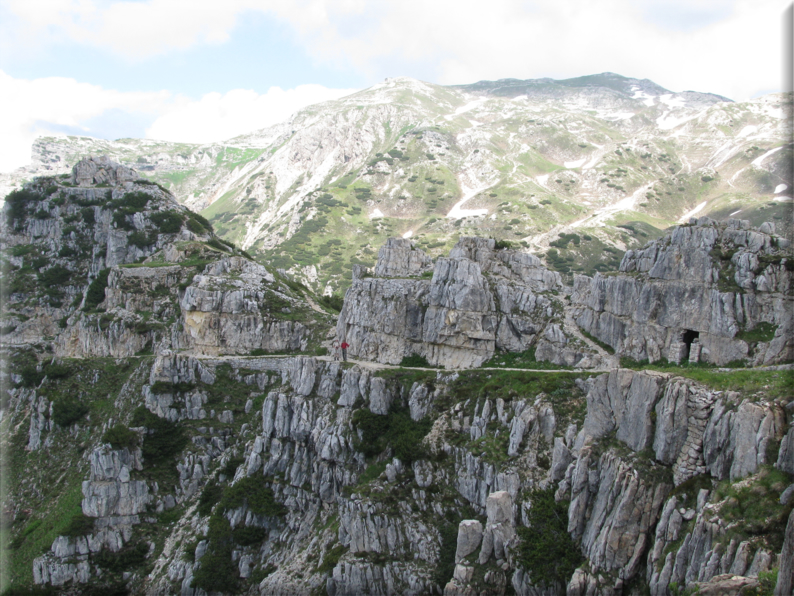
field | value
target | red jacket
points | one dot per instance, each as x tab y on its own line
344	345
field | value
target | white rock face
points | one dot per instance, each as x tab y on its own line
469	538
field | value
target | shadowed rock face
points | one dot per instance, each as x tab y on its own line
693	295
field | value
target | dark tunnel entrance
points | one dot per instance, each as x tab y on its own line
689	337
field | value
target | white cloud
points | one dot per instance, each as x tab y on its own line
45	106
41	106
217	117
735	50
731	47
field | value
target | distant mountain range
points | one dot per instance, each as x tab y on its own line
578	170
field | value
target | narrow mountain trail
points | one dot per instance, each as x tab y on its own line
382	366
571	328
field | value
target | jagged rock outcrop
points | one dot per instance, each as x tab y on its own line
480	299
399	257
696	295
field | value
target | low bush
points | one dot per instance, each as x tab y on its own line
248	535
334	302
141	239
198	224
211	494
217	572
331	558
57	275
255	494
163	439
96	290
124	560
415	360
131	202
68	410
160	387
168	222
396	430
79	525
120	436
546	550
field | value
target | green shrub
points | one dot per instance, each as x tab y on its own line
57	371
56	275
17	204
216	243
124	560
211	494
163	439
132	202
415	360
255	494
121	221
30	376
96	290
230	469
248	535
396	430
141	239
217	572
546	550
79	525
160	387
168	222
120	436
198	224
331	558
334	302
446	555
68	410
88	215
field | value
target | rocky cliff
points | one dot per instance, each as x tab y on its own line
158	440
706	292
459	311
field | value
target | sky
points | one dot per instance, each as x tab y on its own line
203	71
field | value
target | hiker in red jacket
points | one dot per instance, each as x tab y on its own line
344	347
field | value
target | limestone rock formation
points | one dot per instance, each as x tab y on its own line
696	295
480	299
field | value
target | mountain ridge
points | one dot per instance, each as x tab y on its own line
639	159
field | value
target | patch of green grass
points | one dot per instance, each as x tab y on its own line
773	384
331	558
524	359
372	472
752	507
54	520
761	332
